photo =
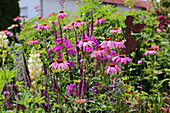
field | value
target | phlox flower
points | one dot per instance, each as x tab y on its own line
51	22
99	20
80	101
58	41
33	42
150	51
18	18
78	23
62	15
85	44
56	48
89	49
119	44
108	43
122	59
115	30
112	52
59	63
155	47
112	68
100	52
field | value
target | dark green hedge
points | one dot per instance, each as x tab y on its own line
9	9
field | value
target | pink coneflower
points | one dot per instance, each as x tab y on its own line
37	26
78	23
108	43
67	28
59	63
119	44
159	30
62	15
85	43
155	47
122	59
115	30
150	51
100	52
45	27
33	42
112	68
51	22
71	23
80	101
18	18
99	20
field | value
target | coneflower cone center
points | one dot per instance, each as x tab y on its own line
60	60
150	49
61	11
112	65
85	40
98	18
121	56
117	40
115	28
99	48
78	20
107	39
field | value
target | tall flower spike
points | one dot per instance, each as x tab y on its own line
27	77
91	25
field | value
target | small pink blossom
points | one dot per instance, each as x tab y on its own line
122	59
18	18
158	72
112	68
159	30
33	42
89	49
155	47
139	61
150	51
80	101
99	20
59	63
115	30
62	15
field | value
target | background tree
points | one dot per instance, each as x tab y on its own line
9	9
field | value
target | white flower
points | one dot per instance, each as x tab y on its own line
34	64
